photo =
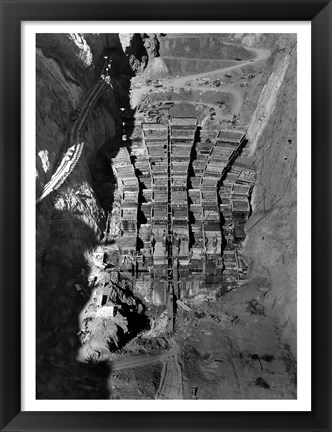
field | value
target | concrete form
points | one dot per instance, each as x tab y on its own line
181	229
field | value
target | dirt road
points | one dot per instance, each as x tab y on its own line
171	381
137	361
171	377
182	82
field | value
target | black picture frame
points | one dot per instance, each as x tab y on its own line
12	13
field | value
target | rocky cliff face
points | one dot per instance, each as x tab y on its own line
140	49
271	231
67	67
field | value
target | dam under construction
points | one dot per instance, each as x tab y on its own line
184	196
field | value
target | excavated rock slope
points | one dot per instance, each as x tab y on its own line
204	47
187	55
271	231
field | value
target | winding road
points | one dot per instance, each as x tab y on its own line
182	82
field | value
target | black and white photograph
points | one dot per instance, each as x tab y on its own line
166	216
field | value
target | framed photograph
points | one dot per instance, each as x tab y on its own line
165	217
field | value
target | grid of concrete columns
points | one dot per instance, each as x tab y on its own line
185	196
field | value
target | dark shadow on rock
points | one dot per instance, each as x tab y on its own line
64	265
